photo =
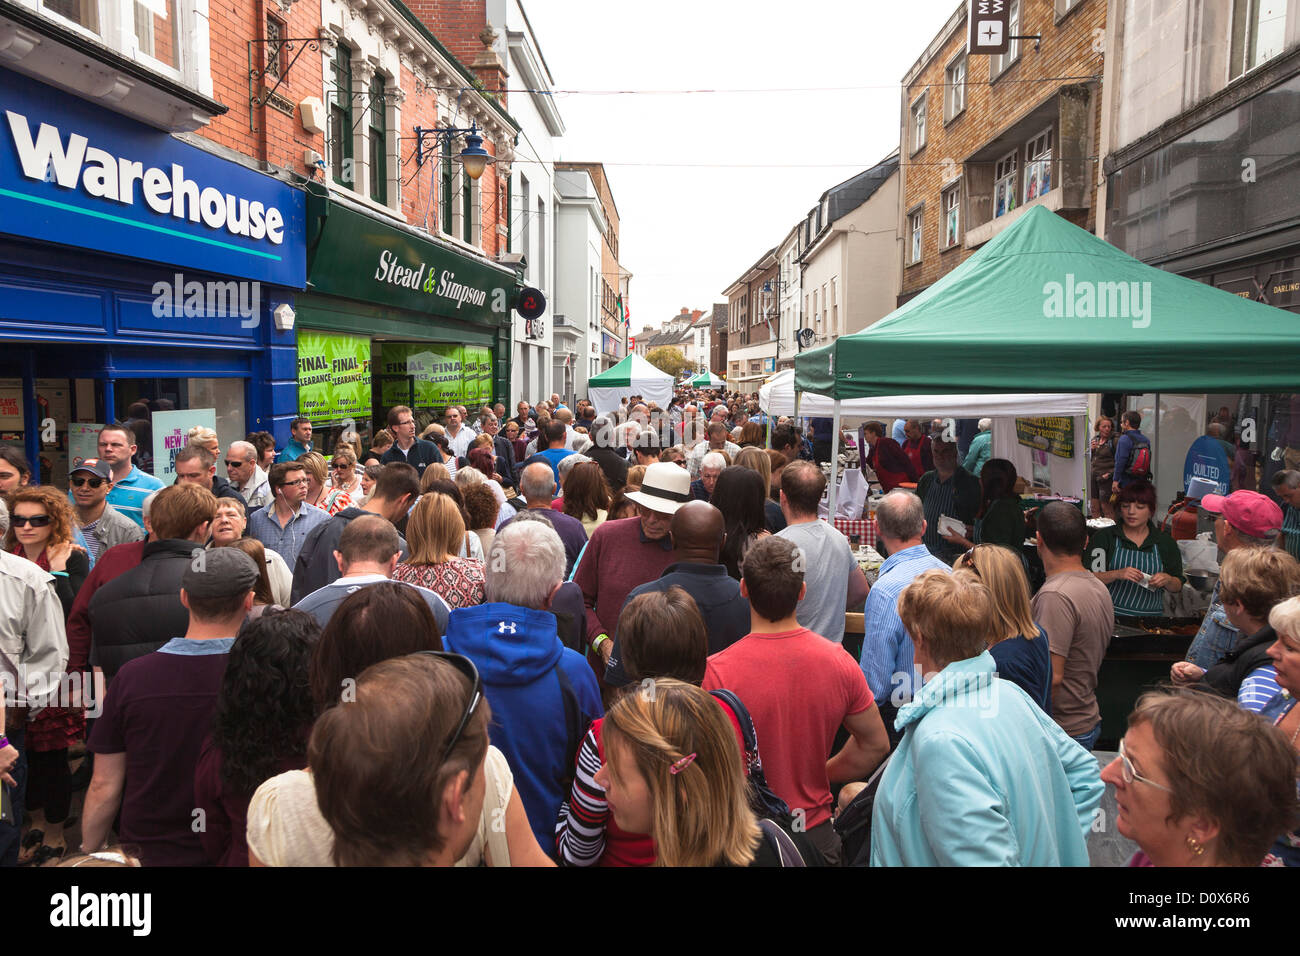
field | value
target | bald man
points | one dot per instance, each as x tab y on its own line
697	532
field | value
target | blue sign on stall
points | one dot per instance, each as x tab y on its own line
1207	460
76	174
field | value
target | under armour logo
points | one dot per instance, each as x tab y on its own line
504	627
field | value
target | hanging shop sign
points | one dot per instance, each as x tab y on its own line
75	173
1054	435
333	376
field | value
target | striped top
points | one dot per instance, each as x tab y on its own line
1158	553
1259	687
129	493
1291	531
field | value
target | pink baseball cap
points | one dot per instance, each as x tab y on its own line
1248	511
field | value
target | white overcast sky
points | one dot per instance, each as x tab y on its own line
686	232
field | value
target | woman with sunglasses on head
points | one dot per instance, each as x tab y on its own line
1201	782
1018	645
41	525
377	623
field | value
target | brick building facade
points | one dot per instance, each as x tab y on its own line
984	137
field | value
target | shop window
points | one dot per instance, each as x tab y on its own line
1038	165
955	88
138	400
377	141
998	64
1004	184
918	124
951	217
1258	34
340	121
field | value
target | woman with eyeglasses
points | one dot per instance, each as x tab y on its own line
41	525
1018	645
380	622
1201	782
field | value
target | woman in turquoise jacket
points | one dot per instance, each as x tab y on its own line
982	777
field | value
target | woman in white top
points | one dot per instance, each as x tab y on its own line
437	800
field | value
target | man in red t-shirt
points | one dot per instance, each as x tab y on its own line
799	689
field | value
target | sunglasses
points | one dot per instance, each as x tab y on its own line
36	521
466	667
93	482
237	464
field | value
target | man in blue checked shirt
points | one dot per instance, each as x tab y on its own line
887	648
284	525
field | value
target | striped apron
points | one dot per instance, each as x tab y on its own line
1129	598
1291	531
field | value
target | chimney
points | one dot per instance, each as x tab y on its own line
696	313
487	65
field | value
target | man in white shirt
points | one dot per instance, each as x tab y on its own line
459	435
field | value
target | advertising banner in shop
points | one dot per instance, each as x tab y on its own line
333	376
477	370
1053	435
83	441
171	434
437	368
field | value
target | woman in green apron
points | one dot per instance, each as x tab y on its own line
1135	559
1286	485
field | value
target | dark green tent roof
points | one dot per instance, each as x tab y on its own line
1048	307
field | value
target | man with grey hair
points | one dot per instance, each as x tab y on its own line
246	475
716	434
537	485
887	652
1286	485
543	694
34	644
981	448
711	466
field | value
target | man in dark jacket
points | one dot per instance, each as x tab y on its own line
396	490
413	451
605	452
503	451
140	611
697	532
196	466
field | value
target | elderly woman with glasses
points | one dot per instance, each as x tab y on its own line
1201	782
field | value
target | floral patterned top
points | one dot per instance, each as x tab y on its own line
458	581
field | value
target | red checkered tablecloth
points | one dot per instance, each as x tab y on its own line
858	530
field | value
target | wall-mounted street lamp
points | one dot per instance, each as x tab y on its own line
473	157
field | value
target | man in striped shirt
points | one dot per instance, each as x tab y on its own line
948	490
130	485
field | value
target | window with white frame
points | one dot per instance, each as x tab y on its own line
1065	6
1258	34
914	236
1038	165
999	63
918	124
155	33
951	217
1004	184
954	88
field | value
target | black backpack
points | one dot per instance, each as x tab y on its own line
762	800
853	825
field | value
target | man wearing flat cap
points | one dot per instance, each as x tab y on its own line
627	553
157	714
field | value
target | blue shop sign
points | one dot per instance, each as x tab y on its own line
77	174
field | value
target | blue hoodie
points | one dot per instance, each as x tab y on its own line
517	652
983	778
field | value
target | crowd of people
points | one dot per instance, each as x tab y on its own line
559	638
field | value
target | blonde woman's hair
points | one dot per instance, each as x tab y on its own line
435	530
756	459
1258	578
201	435
1003	574
314	464
701	813
434	471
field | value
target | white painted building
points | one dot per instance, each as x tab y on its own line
533	197
788	295
580	236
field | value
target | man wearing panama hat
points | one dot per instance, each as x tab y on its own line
624	554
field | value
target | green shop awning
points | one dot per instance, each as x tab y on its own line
357	256
1048	307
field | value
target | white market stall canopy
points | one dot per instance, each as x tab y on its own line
706	380
777	397
632	376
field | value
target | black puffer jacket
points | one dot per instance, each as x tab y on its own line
1249	654
140	610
